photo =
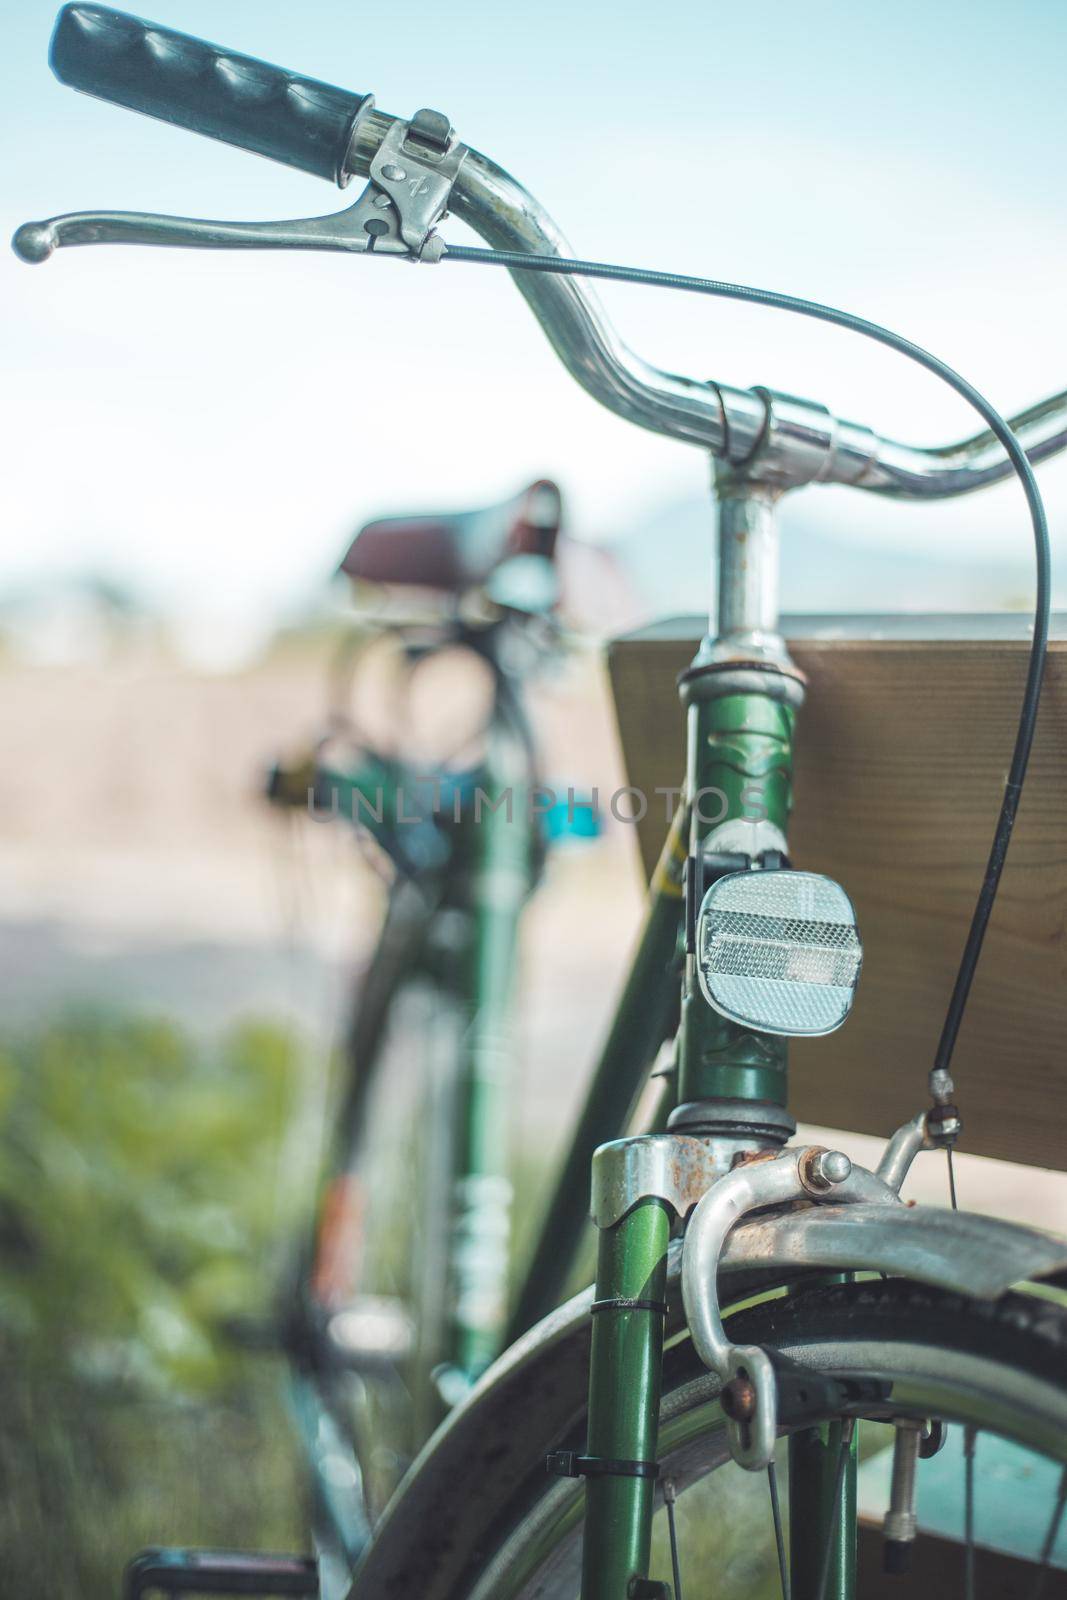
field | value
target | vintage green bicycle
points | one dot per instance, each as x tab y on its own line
753	1300
397	1301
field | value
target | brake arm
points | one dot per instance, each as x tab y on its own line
747	1372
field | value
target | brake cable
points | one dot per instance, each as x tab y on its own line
940	1079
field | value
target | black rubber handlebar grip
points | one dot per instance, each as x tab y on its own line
200	86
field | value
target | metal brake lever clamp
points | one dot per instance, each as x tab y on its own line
412	176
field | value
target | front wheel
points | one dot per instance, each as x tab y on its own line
500	1529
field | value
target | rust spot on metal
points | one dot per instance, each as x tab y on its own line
745	1158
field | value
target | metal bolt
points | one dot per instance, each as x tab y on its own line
393	173
822	1170
738	1399
834	1166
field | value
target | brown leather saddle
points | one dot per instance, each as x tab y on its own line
460	550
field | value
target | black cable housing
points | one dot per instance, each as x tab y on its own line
515	260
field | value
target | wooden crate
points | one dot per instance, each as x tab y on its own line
901	753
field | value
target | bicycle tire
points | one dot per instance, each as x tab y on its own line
969	1360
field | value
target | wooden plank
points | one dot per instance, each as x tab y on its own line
901	753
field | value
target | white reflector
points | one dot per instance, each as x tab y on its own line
779	951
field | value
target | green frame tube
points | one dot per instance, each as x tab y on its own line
625	1375
814	1517
644	1017
814	1454
740	766
498	843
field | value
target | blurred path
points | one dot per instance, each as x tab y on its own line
140	869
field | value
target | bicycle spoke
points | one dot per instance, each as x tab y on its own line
969	1436
847	1429
779	1538
951	1178
670	1495
1050	1538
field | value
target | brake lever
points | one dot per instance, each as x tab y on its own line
412	175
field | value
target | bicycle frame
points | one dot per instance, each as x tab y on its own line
742	694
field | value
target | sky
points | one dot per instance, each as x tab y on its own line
211	427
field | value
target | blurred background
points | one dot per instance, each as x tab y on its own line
190	441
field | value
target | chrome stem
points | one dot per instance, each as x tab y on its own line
745	623
748	567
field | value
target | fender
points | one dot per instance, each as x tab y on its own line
541	1382
974	1255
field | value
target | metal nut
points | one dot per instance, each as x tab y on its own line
943	1124
822	1170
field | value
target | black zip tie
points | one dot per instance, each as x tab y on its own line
622	1304
569	1464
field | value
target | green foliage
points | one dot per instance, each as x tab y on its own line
141	1213
89	1477
139	1207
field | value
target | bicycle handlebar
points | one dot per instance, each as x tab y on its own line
729	422
336	135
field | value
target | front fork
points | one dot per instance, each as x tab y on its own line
625	1381
739	771
822	1515
624	1394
